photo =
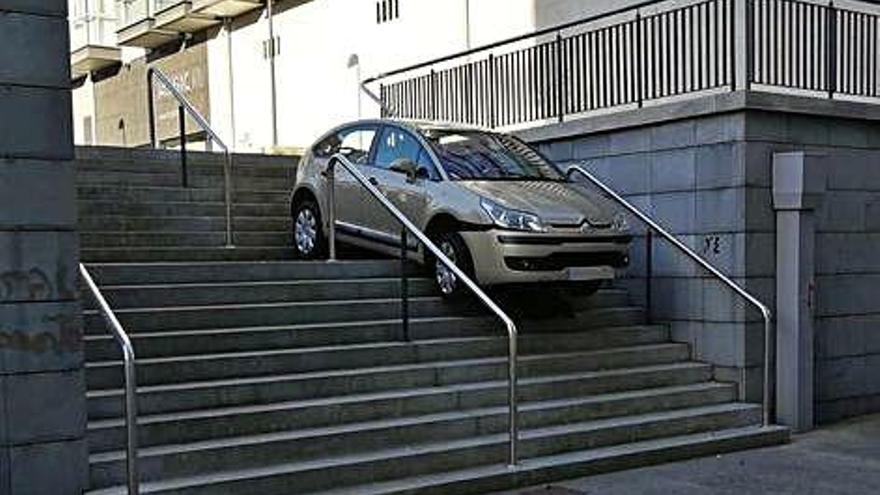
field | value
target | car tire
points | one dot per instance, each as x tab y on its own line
454	247
309	242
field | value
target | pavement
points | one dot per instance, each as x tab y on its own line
843	459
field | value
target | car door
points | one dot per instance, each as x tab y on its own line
352	199
405	192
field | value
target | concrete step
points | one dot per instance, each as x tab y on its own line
233	391
247	292
148	209
200	294
185	254
137	273
116	223
138	320
563	397
175	179
451	361
547	469
157	160
172	239
240	169
229	474
383	386
138	194
102	347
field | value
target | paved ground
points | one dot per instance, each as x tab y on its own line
840	460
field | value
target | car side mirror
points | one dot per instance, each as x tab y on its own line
409	168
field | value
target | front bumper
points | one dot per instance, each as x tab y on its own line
503	257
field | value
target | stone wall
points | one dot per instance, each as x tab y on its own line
704	170
846	298
42	391
693	176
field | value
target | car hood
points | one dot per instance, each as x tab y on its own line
559	204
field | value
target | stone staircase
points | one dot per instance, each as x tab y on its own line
259	375
132	206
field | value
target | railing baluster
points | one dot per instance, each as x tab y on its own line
181	123
794	44
404	284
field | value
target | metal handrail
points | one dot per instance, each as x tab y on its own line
656	227
184	103
128	356
512	331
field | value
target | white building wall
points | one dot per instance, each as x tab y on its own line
316	87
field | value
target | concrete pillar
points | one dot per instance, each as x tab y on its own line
42	390
798	185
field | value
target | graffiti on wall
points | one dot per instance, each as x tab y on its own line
66	339
25	285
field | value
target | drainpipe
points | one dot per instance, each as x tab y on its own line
231	80
467	23
798	187
274	90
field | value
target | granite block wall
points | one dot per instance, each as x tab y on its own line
708	180
42	390
693	176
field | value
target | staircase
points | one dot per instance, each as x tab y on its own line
132	206
264	376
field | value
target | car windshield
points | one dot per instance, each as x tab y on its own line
476	155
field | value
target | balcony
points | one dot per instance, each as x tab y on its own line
177	15
225	8
138	28
93	43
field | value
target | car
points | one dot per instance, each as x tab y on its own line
499	209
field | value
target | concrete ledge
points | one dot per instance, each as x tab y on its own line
702	106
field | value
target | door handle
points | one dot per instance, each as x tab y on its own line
373	181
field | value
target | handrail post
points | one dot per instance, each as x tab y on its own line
649	271
765	311
331	209
227	186
181	122
404	285
151	110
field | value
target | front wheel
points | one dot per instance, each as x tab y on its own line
308	236
453	246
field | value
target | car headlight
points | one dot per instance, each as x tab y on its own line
619	222
507	218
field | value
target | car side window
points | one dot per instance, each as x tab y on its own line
353	142
396	144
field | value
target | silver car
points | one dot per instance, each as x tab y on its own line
501	211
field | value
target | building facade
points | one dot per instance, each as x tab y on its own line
221	52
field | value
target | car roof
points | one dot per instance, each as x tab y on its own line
420	125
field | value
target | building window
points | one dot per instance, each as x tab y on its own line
387	10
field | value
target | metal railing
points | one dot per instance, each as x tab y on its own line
649	51
822	48
754	301
185	107
130	404
409	227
